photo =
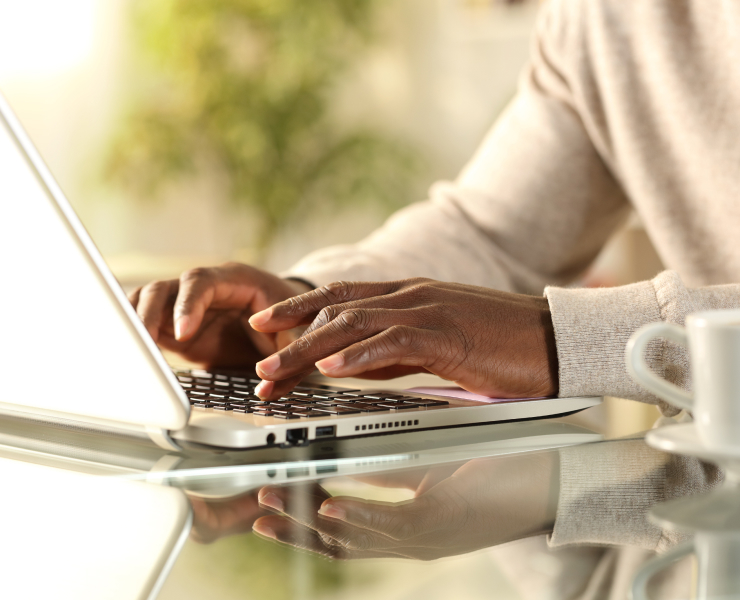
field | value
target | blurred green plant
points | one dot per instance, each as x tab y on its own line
246	86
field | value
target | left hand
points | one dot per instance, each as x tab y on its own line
489	342
215	519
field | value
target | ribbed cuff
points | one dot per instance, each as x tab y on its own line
606	491
592	327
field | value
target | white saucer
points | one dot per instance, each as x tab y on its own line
716	512
684	439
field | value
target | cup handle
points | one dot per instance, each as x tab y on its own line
640	371
654	565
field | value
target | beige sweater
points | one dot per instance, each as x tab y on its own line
624	105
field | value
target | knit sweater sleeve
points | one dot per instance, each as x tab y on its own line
592	327
533	207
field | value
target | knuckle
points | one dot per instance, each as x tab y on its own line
301	345
327	315
400	336
295	305
196	274
353	321
338	291
360	541
155	288
400	526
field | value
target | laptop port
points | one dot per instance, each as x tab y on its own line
297	437
326	431
323	469
298	472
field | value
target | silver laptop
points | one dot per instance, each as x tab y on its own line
73	351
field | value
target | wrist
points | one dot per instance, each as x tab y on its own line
300	286
548	330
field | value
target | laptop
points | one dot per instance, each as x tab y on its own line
74	352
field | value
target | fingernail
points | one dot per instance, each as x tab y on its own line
182	324
269	365
261	317
262	389
332	363
264	530
272	501
334	512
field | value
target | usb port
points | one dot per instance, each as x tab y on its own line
325	431
323	469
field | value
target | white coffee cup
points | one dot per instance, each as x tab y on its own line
713	341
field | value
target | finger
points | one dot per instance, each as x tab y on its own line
301	502
401	521
301	310
225	287
398	345
301	505
348	328
214	520
154	299
272	390
288	532
133	297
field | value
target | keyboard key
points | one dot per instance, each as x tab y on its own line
285	416
312	414
338	410
222	407
238	409
400	406
426	402
371	408
239	380
241	392
201	373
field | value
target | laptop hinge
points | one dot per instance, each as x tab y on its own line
162	438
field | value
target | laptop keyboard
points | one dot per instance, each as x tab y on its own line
226	392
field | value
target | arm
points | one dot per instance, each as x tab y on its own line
533	207
606	491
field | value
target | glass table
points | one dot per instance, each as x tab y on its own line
545	509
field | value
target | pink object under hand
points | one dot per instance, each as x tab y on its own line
457	392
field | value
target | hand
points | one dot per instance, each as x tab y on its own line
489	342
213	520
485	502
203	315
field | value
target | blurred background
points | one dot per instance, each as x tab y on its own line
192	132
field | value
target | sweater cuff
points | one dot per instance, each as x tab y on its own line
592	327
606	491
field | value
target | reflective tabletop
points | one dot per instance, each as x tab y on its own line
543	509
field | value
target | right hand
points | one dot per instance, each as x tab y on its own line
456	509
203	315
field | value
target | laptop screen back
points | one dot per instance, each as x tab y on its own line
70	343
